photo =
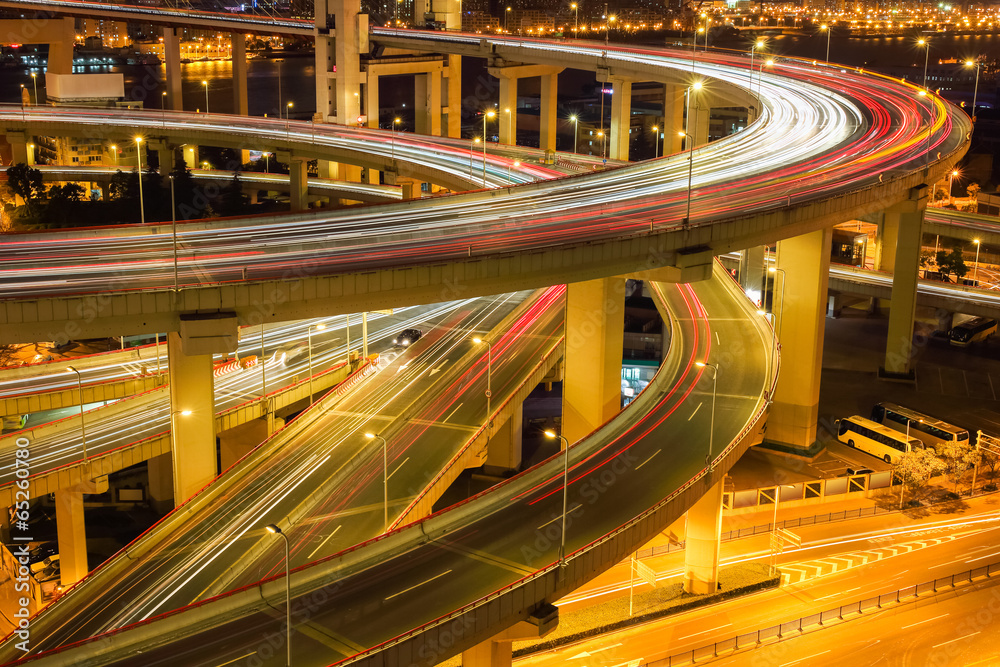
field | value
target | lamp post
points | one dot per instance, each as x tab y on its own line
975	272
711	430
34	85
757	45
975	90
288	112
486	114
83	428
562	539
205	84
489	378
576	16
708	21
510	118
509	165
280	105
475	140
114	152
506	15
138	157
951	185
385	475
173	227
927	52
576	130
760	73
319	327
274	530
656	141
392	147
829	31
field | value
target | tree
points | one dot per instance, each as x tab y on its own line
232	201
184	191
973	190
990	460
69	192
124	186
916	467
958	457
952	263
25	182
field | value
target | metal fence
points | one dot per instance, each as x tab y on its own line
777	632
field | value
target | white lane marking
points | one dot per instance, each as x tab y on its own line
237	659
695	411
701	632
972	560
808	657
568	512
649	459
398	467
325	541
717	338
418	585
839	593
452	413
956	639
926	620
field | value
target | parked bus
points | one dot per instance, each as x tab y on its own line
931	431
875	439
972	331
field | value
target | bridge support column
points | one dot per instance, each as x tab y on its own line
234	443
241	104
71	531
496	652
298	183
801	308
505	446
508	100
22	150
547	113
886	235
595	325
427	103
172	56
702	119
701	549
165	158
160	488
673	119
908	217
62	38
752	273
621	119
371	95
454	96
192	399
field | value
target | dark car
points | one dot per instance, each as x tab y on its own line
43	551
407	337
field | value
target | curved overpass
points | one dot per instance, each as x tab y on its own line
829	146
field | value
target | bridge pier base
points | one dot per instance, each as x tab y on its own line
701	549
804	263
595	325
497	651
71	532
908	217
504	451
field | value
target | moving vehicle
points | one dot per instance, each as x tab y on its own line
875	439
931	431
48	563
407	337
972	331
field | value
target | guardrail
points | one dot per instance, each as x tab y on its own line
774	633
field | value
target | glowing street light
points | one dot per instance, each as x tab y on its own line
927	52
385	475
486	114
656	141
576	16
138	157
711	431
83	429
576	130
34	84
319	327
829	31
489	375
205	84
975	273
274	530
392	147
975	90
550	434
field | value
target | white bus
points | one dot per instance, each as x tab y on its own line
931	431
972	331
875	439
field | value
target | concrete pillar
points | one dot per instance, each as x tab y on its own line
62	38
700	123
508	100
908	217
673	119
236	442
886	234
71	532
352	39
370	91
298	183
504	451
454	96
349	172
496	651
172	56
324	53
192	386
189	153
19	148
945	320
547	117
370	176
621	119
160	489
595	324
427	103
409	188
241	105
800	304
701	548
752	273
165	157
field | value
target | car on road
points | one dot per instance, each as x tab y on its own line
48	563
407	337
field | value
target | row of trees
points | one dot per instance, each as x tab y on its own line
916	468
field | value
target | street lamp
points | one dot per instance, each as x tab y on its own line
576	130
288	110
828	33
509	165
576	16
385	474
475	140
279	61
927	52
604	145
319	327
510	118
656	142
486	114
759	44
760	73
392	147
711	430
114	152
975	90
951	185
975	272
138	157
205	84
173	227
708	20
83	429
489	376
274	530
550	434
34	84
506	15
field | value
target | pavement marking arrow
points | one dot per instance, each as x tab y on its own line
438	369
